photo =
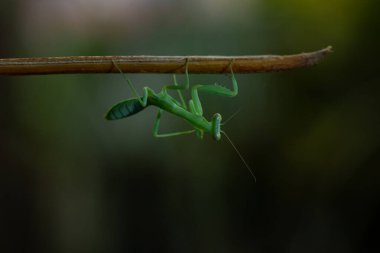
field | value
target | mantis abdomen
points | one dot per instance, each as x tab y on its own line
125	109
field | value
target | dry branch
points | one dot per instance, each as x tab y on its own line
159	64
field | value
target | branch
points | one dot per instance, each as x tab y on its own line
159	64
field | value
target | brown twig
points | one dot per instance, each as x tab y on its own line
159	64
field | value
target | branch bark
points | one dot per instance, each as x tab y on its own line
159	64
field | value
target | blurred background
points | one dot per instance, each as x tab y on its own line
70	181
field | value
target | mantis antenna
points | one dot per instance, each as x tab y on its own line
231	117
241	157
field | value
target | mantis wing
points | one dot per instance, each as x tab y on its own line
125	109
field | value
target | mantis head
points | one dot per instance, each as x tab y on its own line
216	122
216	134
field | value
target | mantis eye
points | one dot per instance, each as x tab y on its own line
216	120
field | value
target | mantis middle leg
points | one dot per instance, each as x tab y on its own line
178	87
157	125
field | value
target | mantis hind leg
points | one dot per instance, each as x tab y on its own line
157	125
144	99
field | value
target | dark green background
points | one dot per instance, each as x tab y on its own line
72	182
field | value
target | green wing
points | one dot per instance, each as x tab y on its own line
125	109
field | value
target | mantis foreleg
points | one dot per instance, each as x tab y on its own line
195	103
217	89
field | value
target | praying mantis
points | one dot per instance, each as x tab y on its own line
193	113
165	102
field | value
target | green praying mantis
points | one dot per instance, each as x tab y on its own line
193	113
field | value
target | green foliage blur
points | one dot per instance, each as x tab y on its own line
70	181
